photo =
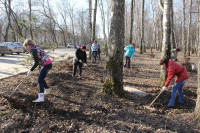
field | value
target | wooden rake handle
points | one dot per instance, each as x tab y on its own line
156	97
16	88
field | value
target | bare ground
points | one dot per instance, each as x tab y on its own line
75	105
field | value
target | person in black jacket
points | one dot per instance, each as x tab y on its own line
79	60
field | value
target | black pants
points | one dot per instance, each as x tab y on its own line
127	62
75	68
43	73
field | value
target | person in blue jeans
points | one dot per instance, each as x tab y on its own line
95	48
174	69
40	58
130	51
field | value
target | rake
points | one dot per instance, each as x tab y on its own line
15	88
149	107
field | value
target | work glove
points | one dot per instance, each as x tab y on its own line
164	88
29	73
80	61
84	64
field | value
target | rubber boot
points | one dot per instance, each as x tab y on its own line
40	98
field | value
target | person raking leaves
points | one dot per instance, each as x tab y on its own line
174	69
40	58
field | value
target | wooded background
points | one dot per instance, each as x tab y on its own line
150	24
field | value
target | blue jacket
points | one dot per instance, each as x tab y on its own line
95	47
130	51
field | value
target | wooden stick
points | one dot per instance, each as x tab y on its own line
156	98
16	88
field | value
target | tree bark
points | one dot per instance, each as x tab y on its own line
94	21
189	26
183	30
197	108
172	25
90	27
30	19
132	19
166	46
142	29
114	81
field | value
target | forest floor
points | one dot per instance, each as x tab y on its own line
75	104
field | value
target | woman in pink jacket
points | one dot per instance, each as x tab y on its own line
174	69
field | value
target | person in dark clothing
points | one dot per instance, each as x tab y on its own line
79	60
99	52
40	58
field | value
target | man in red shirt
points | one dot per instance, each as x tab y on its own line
174	69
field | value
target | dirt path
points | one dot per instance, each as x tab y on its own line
76	105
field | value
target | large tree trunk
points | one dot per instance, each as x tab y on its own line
142	29
94	24
114	82
132	18
172	25
166	46
197	108
189	26
183	30
94	21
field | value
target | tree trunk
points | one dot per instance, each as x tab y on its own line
114	82
103	26
94	21
142	29
132	18
30	19
166	47
172	25
183	30
90	27
189	26
8	12
197	108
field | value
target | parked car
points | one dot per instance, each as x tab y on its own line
70	45
14	47
3	50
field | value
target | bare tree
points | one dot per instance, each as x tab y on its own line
189	26
197	108
70	9
90	27
114	82
94	21
183	29
103	25
142	29
166	46
132	19
7	5
172	25
30	18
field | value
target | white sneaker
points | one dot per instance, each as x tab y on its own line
40	98
47	91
